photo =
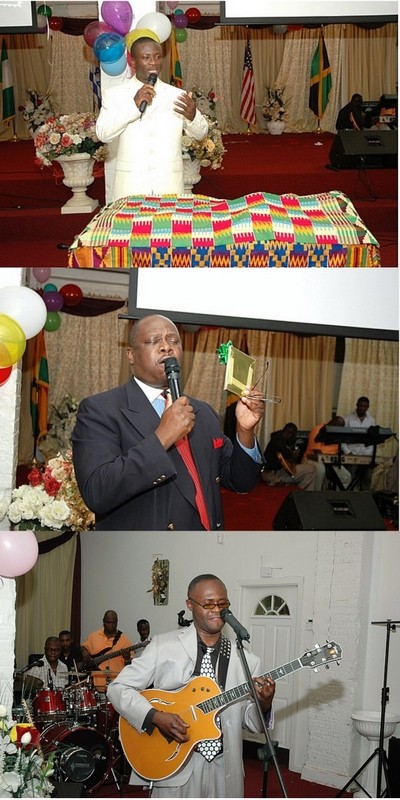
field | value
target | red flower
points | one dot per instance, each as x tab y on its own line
35	477
50	484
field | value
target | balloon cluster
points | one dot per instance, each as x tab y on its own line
54	299
181	19
107	37
22	316
45	19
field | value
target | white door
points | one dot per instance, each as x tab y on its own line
269	611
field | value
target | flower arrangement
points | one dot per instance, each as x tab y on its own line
37	110
209	151
160	581
62	421
51	500
274	105
205	102
23	771
66	136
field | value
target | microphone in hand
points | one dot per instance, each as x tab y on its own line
172	371
151	80
240	631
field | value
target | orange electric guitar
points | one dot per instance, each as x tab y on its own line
156	757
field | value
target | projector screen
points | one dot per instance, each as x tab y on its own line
18	16
361	303
253	12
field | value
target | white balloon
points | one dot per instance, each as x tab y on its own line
24	306
156	22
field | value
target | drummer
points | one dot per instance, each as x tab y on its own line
53	673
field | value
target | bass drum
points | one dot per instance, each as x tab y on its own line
83	755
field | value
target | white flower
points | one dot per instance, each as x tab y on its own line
26	738
3	711
55	514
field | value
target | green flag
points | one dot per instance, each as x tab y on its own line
320	79
6	85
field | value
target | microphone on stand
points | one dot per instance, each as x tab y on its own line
172	371
38	663
151	80
240	631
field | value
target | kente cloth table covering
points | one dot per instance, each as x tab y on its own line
256	230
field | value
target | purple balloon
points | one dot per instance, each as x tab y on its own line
180	21
118	14
53	301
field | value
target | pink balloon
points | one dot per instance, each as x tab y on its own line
19	551
93	30
118	14
42	274
172	5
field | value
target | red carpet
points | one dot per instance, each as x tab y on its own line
254	511
31	198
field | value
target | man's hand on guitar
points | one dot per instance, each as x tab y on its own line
265	688
171	726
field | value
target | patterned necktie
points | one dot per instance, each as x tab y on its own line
159	404
210	747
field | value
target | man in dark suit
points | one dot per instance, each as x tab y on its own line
127	457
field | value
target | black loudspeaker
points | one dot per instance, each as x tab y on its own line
358	149
394	767
328	511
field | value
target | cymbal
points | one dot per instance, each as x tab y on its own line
78	674
29	682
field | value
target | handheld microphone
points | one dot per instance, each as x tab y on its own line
151	80
172	371
240	631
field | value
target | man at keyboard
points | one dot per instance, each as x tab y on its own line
360	418
315	448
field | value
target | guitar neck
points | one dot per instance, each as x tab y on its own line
114	653
31	722
238	692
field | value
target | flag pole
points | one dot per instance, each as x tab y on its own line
14	137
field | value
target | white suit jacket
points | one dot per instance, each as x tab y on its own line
168	663
149	152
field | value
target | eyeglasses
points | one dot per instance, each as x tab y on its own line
210	605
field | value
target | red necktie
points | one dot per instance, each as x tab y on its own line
183	447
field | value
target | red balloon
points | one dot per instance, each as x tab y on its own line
5	373
72	294
56	23
94	29
193	14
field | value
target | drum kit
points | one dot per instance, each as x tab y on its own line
80	726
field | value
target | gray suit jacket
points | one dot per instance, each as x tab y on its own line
168	663
131	483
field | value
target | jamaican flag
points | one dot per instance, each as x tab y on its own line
320	79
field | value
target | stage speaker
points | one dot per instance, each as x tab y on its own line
394	767
357	149
328	511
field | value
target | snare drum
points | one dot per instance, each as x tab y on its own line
49	706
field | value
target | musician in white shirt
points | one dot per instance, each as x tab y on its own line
360	418
53	672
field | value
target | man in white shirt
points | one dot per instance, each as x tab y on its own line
360	418
53	673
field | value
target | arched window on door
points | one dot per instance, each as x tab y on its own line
272	605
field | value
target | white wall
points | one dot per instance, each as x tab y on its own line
345	582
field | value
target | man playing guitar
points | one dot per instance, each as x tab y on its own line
203	757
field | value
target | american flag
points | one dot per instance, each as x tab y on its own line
94	77
247	100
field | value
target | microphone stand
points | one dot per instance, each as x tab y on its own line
246	668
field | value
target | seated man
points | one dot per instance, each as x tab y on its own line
281	461
360	418
315	447
351	116
50	670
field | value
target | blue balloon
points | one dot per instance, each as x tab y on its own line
109	47
114	67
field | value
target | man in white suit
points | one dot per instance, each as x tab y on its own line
169	662
149	152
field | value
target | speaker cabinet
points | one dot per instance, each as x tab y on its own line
328	511
394	767
356	149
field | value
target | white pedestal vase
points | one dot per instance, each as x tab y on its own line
78	175
276	127
191	173
368	724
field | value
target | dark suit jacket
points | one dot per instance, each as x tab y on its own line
131	483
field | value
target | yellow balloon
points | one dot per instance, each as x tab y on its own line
12	341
